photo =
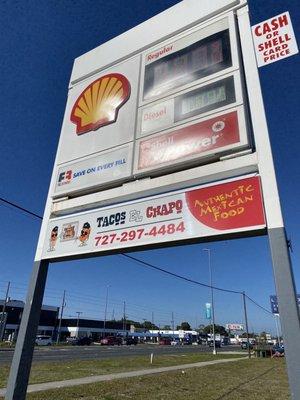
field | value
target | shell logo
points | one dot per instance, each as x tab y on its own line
99	104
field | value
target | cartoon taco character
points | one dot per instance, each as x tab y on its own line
53	238
85	234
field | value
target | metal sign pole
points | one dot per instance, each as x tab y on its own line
286	293
21	363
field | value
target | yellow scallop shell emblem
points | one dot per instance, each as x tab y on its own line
99	103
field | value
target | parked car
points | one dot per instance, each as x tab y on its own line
111	341
130	340
217	343
244	345
164	341
278	349
81	341
43	340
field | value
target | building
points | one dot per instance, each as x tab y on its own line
10	321
78	327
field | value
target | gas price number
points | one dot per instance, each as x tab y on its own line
198	60
203	99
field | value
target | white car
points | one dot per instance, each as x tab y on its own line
43	340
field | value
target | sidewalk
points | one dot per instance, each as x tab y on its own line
101	378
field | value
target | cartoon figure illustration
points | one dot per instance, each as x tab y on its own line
68	232
85	234
53	238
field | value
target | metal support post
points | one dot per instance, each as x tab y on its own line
288	307
246	323
21	363
282	267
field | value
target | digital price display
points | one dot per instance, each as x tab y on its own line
198	60
203	99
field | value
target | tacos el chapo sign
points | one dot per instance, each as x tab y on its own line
212	210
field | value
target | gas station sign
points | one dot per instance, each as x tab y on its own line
156	149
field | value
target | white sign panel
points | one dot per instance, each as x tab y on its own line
235	327
109	166
210	210
274	39
100	112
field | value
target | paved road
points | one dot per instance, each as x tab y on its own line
102	352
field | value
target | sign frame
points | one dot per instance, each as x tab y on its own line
20	368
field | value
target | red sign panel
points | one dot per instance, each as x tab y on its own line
231	205
203	137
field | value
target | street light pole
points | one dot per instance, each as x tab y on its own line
124	317
212	300
277	328
105	312
77	325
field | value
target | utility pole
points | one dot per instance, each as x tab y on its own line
246	323
3	319
105	311
173	324
212	301
63	304
77	325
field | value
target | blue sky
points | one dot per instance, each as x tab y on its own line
39	41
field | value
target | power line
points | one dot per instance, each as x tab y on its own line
258	305
20	208
180	276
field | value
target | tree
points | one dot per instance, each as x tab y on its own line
185	326
149	326
167	328
250	335
219	329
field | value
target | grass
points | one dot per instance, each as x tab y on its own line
256	379
54	371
